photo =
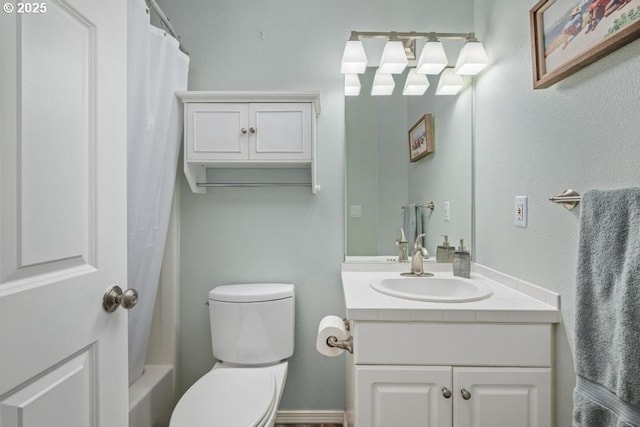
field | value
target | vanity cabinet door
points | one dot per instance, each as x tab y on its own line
502	397
403	396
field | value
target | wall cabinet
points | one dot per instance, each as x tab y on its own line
248	130
412	387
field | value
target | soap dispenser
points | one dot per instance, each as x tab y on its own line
462	262
403	248
444	252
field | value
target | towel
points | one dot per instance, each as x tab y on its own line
412	224
608	309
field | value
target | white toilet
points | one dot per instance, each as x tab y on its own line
252	333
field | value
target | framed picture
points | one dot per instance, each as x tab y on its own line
568	35
421	138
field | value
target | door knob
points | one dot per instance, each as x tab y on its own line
465	394
252	130
446	392
114	297
243	131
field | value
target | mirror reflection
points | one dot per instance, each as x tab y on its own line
380	179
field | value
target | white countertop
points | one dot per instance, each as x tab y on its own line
513	300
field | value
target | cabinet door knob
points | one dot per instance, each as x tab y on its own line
244	131
446	392
252	130
465	394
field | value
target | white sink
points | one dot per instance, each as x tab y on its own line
434	289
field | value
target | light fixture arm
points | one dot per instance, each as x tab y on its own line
357	35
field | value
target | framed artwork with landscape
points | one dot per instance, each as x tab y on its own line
568	35
421	138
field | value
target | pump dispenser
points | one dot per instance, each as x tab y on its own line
444	252
462	261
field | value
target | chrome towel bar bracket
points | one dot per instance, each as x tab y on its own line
568	198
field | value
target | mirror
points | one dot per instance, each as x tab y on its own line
380	179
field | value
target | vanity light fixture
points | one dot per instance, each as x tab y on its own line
383	84
400	48
354	58
394	59
351	85
472	58
450	83
433	59
416	83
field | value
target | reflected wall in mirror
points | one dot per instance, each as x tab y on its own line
380	178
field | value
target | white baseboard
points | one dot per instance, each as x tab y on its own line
310	417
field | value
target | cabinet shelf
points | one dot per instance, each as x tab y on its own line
241	129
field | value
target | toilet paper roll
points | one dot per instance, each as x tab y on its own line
330	326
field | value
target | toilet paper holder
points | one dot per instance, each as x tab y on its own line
343	344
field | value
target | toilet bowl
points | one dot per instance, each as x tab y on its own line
252	335
229	396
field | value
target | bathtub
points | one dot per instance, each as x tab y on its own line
151	397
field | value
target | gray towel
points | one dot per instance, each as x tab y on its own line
608	300
412	224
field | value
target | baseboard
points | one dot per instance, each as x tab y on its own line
310	417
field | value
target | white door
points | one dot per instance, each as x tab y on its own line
403	396
502	397
280	131
217	131
63	359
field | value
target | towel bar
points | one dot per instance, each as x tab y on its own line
254	184
568	198
429	205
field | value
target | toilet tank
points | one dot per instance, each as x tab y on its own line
252	324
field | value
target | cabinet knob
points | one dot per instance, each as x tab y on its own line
446	392
252	130
244	131
465	394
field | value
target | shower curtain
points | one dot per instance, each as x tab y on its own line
156	70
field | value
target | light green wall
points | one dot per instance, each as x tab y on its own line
581	133
280	234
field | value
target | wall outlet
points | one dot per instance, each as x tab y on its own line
356	211
520	212
447	211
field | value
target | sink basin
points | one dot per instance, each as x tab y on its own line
434	289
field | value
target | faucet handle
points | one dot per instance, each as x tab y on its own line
417	245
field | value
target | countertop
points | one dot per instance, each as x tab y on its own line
513	300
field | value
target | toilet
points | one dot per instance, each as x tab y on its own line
252	335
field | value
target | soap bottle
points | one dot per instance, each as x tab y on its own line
444	252
462	262
403	248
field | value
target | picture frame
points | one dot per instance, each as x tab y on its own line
421	141
568	35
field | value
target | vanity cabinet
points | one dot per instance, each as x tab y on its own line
248	130
431	374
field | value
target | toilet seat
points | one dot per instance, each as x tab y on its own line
228	397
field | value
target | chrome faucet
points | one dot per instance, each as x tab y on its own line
419	253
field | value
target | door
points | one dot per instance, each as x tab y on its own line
280	131
403	396
502	397
217	131
63	359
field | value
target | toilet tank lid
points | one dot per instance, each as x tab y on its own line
252	292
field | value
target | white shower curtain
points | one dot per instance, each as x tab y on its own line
156	70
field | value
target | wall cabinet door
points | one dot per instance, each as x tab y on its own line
502	397
269	132
280	131
403	396
217	132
